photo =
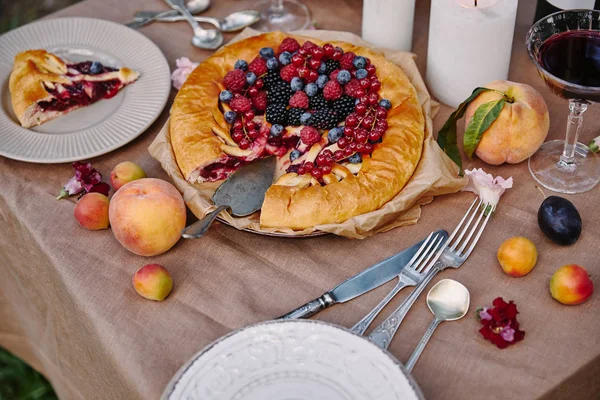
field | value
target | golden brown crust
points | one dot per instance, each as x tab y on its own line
380	178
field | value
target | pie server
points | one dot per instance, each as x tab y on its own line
360	283
242	194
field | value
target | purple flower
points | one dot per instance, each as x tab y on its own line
86	179
508	333
483	314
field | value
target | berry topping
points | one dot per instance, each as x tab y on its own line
293	116
344	106
332	90
96	68
290	45
338	155
321	81
241	64
311	89
335	134
359	62
285	58
250	78
312	76
258	66
272	63
385	103
249	115
260	101
328	49
225	96
259	83
280	93
266	53
346	62
276	130
303	72
235	80
344	77
276	113
294	154
241	104
244	143
297	60
317	102
309	135
296	84
337	54
288	72
317	174
331	65
375	85
324	119
230	116
361	74
343	142
314	64
334	74
355	158
317	52
308	45
322	68
299	100
305	118
371	69
351	88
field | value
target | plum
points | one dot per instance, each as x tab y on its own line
559	220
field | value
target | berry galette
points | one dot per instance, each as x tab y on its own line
43	86
345	124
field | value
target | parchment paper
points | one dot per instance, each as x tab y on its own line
435	175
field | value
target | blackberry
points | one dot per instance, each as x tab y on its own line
330	66
279	93
276	114
317	102
324	119
293	116
344	106
272	78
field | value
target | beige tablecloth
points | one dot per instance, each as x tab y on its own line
67	305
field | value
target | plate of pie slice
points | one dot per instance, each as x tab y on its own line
76	88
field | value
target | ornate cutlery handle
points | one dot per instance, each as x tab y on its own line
421	346
384	333
362	325
310	308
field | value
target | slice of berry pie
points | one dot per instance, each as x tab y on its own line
345	124
43	86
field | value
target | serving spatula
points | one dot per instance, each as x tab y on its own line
242	194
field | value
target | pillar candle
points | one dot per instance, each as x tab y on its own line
389	23
470	43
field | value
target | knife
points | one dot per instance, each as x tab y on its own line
360	283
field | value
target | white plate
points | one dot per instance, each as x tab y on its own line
295	359
93	130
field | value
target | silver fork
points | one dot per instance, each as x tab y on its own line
409	276
452	254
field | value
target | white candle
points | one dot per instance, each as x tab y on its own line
389	23
469	46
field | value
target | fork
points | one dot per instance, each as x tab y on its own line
448	256
409	276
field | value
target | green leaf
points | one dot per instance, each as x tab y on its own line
484	116
447	135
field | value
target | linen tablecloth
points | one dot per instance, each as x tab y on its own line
67	305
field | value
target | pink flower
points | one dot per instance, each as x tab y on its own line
486	186
483	314
508	334
183	70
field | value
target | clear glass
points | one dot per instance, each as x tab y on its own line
281	15
565	166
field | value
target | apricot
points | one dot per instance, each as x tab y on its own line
153	282
92	211
571	285
517	256
147	216
125	172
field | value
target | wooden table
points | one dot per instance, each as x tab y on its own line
67	305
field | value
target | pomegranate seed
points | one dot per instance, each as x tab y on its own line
237	136
337	54
312	76
371	69
364	83
381	112
238	125
351	120
375	85
368	122
361	108
373	98
374	135
328	49
348	152
339	154
361	136
317	52
301	170
303	72
317	174
309	166
343	142
250	125
368	148
244	144
259	84
297	60
253	91
253	134
349	131
326	169
249	115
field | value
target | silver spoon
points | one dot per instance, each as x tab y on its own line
203	38
231	23
448	300
195	7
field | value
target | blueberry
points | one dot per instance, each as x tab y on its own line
225	96
250	78
344	77
355	158
356	101
361	73
96	68
295	154
359	62
241	64
335	134
230	116
304	118
311	89
276	130
285	58
385	103
296	84
272	63
322	80
267	52
322	68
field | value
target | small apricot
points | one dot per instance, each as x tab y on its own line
92	211
517	256
153	282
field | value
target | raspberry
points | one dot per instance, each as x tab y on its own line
333	75
309	135
332	90
288	72
241	103
235	80
289	44
299	100
258	66
346	61
351	87
260	101
308	45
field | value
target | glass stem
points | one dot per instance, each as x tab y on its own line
574	125
277	8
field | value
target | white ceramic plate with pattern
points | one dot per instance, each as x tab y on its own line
101	127
292	360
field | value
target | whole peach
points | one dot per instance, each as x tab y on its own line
92	211
519	130
125	172
147	216
517	256
571	284
153	282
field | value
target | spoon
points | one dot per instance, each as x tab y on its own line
195	7
203	38
448	300
231	23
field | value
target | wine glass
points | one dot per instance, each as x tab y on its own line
565	48
281	15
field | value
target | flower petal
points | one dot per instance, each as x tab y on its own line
486	186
